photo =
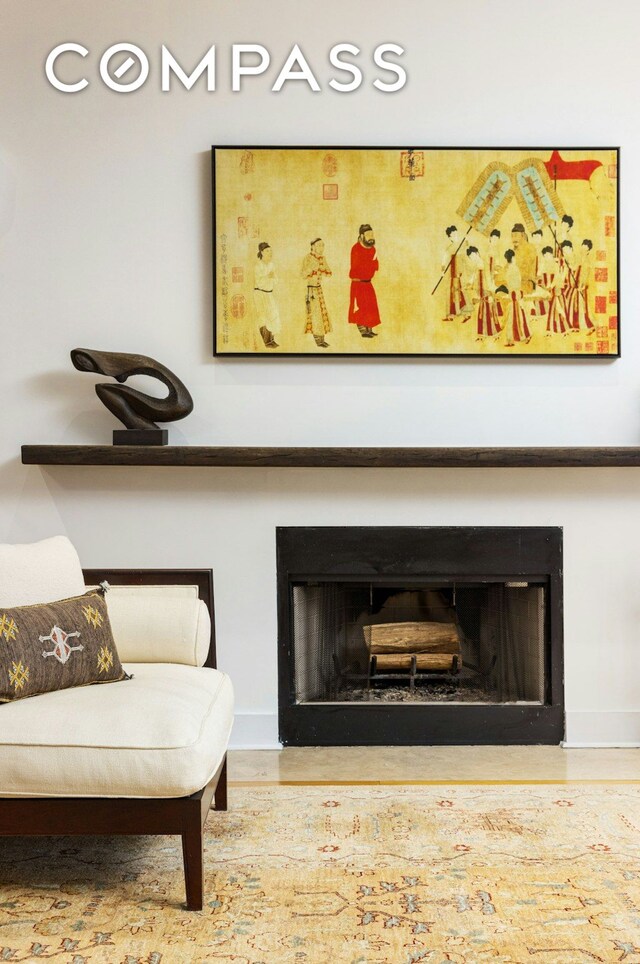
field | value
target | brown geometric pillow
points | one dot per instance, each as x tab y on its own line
52	646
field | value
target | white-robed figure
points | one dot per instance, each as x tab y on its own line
539	306
267	313
517	329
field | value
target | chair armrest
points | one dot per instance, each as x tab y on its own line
159	624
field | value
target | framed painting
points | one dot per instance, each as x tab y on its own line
347	251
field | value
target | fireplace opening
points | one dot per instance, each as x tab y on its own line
401	635
447	642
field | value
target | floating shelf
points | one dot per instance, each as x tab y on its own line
331	457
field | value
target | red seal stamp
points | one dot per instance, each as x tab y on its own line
238	306
329	165
412	164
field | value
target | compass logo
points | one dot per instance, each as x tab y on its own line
124	67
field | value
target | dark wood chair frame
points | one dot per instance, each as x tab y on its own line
185	816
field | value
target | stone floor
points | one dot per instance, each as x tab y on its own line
426	764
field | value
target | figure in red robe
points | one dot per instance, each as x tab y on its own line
363	304
485	314
551	280
451	262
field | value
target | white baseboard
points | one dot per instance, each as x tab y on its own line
602	729
255	731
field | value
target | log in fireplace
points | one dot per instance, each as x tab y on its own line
420	635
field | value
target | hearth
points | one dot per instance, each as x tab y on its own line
410	635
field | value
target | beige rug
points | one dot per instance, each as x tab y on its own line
312	875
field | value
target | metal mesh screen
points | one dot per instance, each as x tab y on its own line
323	640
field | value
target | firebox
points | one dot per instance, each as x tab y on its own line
420	635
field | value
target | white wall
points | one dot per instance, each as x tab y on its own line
105	242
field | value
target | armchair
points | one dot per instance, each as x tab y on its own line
144	756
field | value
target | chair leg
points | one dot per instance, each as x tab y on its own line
220	797
193	855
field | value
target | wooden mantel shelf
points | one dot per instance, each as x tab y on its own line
330	457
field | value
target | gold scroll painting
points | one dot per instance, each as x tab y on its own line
416	251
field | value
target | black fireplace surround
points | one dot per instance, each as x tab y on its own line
421	557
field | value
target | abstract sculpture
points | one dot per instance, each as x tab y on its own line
137	411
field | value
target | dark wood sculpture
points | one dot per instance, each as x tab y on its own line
139	412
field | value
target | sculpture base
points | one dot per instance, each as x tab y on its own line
135	436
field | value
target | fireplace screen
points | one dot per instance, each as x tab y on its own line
464	642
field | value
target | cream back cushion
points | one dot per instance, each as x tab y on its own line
39	572
159	624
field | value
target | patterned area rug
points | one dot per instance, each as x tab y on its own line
311	875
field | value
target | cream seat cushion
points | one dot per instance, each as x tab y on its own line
161	734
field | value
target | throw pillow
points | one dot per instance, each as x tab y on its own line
52	646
